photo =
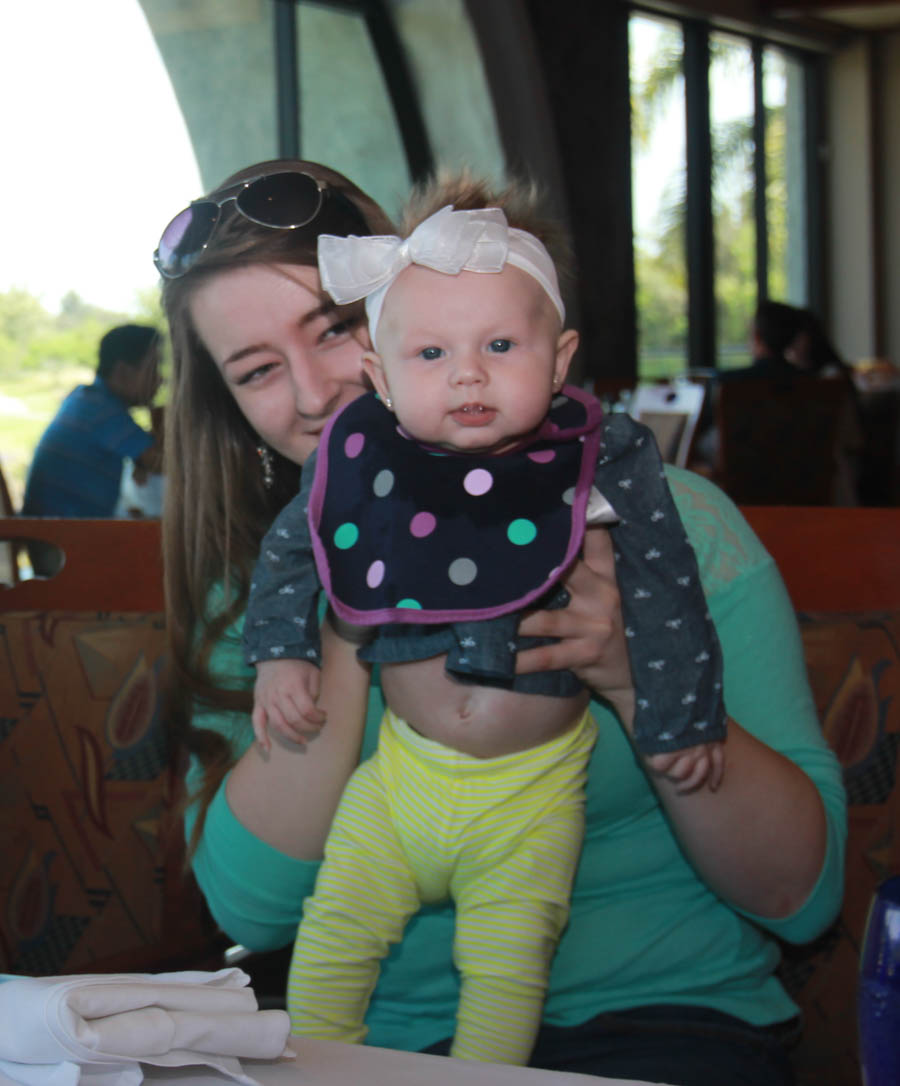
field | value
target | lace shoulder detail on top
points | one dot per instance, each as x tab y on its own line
725	544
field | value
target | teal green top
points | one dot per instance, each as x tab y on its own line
644	928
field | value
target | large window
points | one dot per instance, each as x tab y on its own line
659	194
339	70
97	158
786	187
720	189
450	85
125	110
733	186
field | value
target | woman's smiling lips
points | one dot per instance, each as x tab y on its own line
474	414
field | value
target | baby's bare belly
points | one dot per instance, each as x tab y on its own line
482	721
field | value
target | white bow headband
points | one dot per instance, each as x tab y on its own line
448	241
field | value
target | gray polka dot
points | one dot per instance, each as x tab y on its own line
569	495
383	484
462	571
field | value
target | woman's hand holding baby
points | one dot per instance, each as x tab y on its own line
590	628
592	644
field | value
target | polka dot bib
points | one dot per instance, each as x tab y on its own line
403	532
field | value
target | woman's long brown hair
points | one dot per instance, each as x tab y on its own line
217	508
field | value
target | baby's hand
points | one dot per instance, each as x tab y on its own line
284	699
692	767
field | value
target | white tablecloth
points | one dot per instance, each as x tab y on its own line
326	1063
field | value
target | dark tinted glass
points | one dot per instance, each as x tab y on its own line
281	199
185	237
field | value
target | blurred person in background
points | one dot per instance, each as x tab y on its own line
77	466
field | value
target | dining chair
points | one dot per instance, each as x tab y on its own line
611	391
779	439
840	567
671	410
90	837
9	550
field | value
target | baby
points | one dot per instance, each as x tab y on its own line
436	511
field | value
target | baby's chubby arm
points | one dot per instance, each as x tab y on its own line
284	699
287	690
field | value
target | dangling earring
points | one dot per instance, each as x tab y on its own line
268	465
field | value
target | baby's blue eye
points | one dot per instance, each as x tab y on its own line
499	346
430	354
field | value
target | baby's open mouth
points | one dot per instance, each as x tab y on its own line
474	414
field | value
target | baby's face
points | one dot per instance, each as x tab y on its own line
469	361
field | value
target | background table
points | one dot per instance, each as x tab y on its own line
326	1063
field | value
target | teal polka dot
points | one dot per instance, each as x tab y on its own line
413	605
346	536
521	531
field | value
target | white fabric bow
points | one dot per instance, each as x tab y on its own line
448	241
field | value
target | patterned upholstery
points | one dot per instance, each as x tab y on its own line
87	877
88	880
854	669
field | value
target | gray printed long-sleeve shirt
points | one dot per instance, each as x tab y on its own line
673	649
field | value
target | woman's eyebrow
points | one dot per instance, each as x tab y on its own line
308	318
316	313
319	311
244	352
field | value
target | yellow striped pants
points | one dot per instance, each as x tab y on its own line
419	822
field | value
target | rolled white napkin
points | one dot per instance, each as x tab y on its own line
97	1029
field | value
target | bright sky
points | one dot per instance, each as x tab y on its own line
96	155
97	158
652	165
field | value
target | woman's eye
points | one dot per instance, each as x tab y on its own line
339	328
256	374
431	354
499	346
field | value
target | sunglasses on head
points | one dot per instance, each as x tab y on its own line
285	200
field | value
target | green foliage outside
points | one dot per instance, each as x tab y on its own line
661	263
43	356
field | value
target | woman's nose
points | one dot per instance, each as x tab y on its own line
316	391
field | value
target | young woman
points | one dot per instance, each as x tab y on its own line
666	968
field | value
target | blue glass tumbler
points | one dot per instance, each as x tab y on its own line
879	989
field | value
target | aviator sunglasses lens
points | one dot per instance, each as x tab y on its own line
283	200
185	236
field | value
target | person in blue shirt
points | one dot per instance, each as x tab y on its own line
77	465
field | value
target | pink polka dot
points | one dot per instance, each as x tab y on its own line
422	524
353	446
375	574
542	456
479	481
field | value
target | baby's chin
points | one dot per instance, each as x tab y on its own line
472	445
